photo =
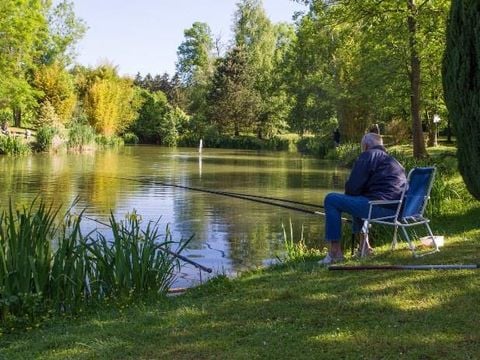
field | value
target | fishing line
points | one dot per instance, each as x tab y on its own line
168	251
255	198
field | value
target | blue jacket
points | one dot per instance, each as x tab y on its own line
376	175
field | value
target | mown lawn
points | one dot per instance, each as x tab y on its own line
298	310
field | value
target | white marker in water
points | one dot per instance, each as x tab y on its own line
200	146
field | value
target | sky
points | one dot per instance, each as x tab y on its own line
143	35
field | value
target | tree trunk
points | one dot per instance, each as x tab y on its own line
17	116
419	150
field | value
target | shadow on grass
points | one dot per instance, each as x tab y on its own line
300	311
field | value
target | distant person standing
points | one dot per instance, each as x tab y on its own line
5	128
336	137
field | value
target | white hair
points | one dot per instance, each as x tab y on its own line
371	139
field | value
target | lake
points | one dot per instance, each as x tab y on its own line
229	234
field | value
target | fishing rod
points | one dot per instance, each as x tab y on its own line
168	251
403	267
255	198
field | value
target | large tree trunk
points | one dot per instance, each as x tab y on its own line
17	116
419	150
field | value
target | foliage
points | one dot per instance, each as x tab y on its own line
397	132
296	249
361	61
45	137
57	86
47	116
23	26
80	136
195	54
46	262
345	153
109	141
108	99
462	86
64	30
130	138
171	87
157	121
245	142
232	100
132	263
13	145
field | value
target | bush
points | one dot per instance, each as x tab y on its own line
397	132
113	140
80	136
246	142
46	262
346	154
45	135
317	146
130	138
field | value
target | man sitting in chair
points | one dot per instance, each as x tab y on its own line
375	176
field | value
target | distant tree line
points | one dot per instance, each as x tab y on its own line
344	64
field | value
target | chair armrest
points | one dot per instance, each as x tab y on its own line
383	202
373	203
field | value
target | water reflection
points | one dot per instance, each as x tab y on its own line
229	234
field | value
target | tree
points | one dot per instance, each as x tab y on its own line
158	122
195	58
461	82
58	89
108	99
232	101
385	53
257	37
64	32
22	28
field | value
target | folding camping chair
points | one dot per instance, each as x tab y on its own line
410	209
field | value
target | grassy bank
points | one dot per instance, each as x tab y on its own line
296	310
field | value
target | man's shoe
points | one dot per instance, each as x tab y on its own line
329	259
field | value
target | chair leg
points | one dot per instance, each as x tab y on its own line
411	245
395	234
432	236
365	244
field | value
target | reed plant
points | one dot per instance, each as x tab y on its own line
133	262
25	257
295	248
45	136
46	263
14	145
81	136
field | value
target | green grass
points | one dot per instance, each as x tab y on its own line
295	310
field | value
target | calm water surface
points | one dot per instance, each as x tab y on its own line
229	234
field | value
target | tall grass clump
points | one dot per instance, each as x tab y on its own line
133	262
25	258
47	264
295	248
346	153
13	145
45	136
110	141
130	138
80	136
444	189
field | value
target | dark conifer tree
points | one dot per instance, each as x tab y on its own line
461	82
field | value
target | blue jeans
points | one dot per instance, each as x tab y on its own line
357	206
